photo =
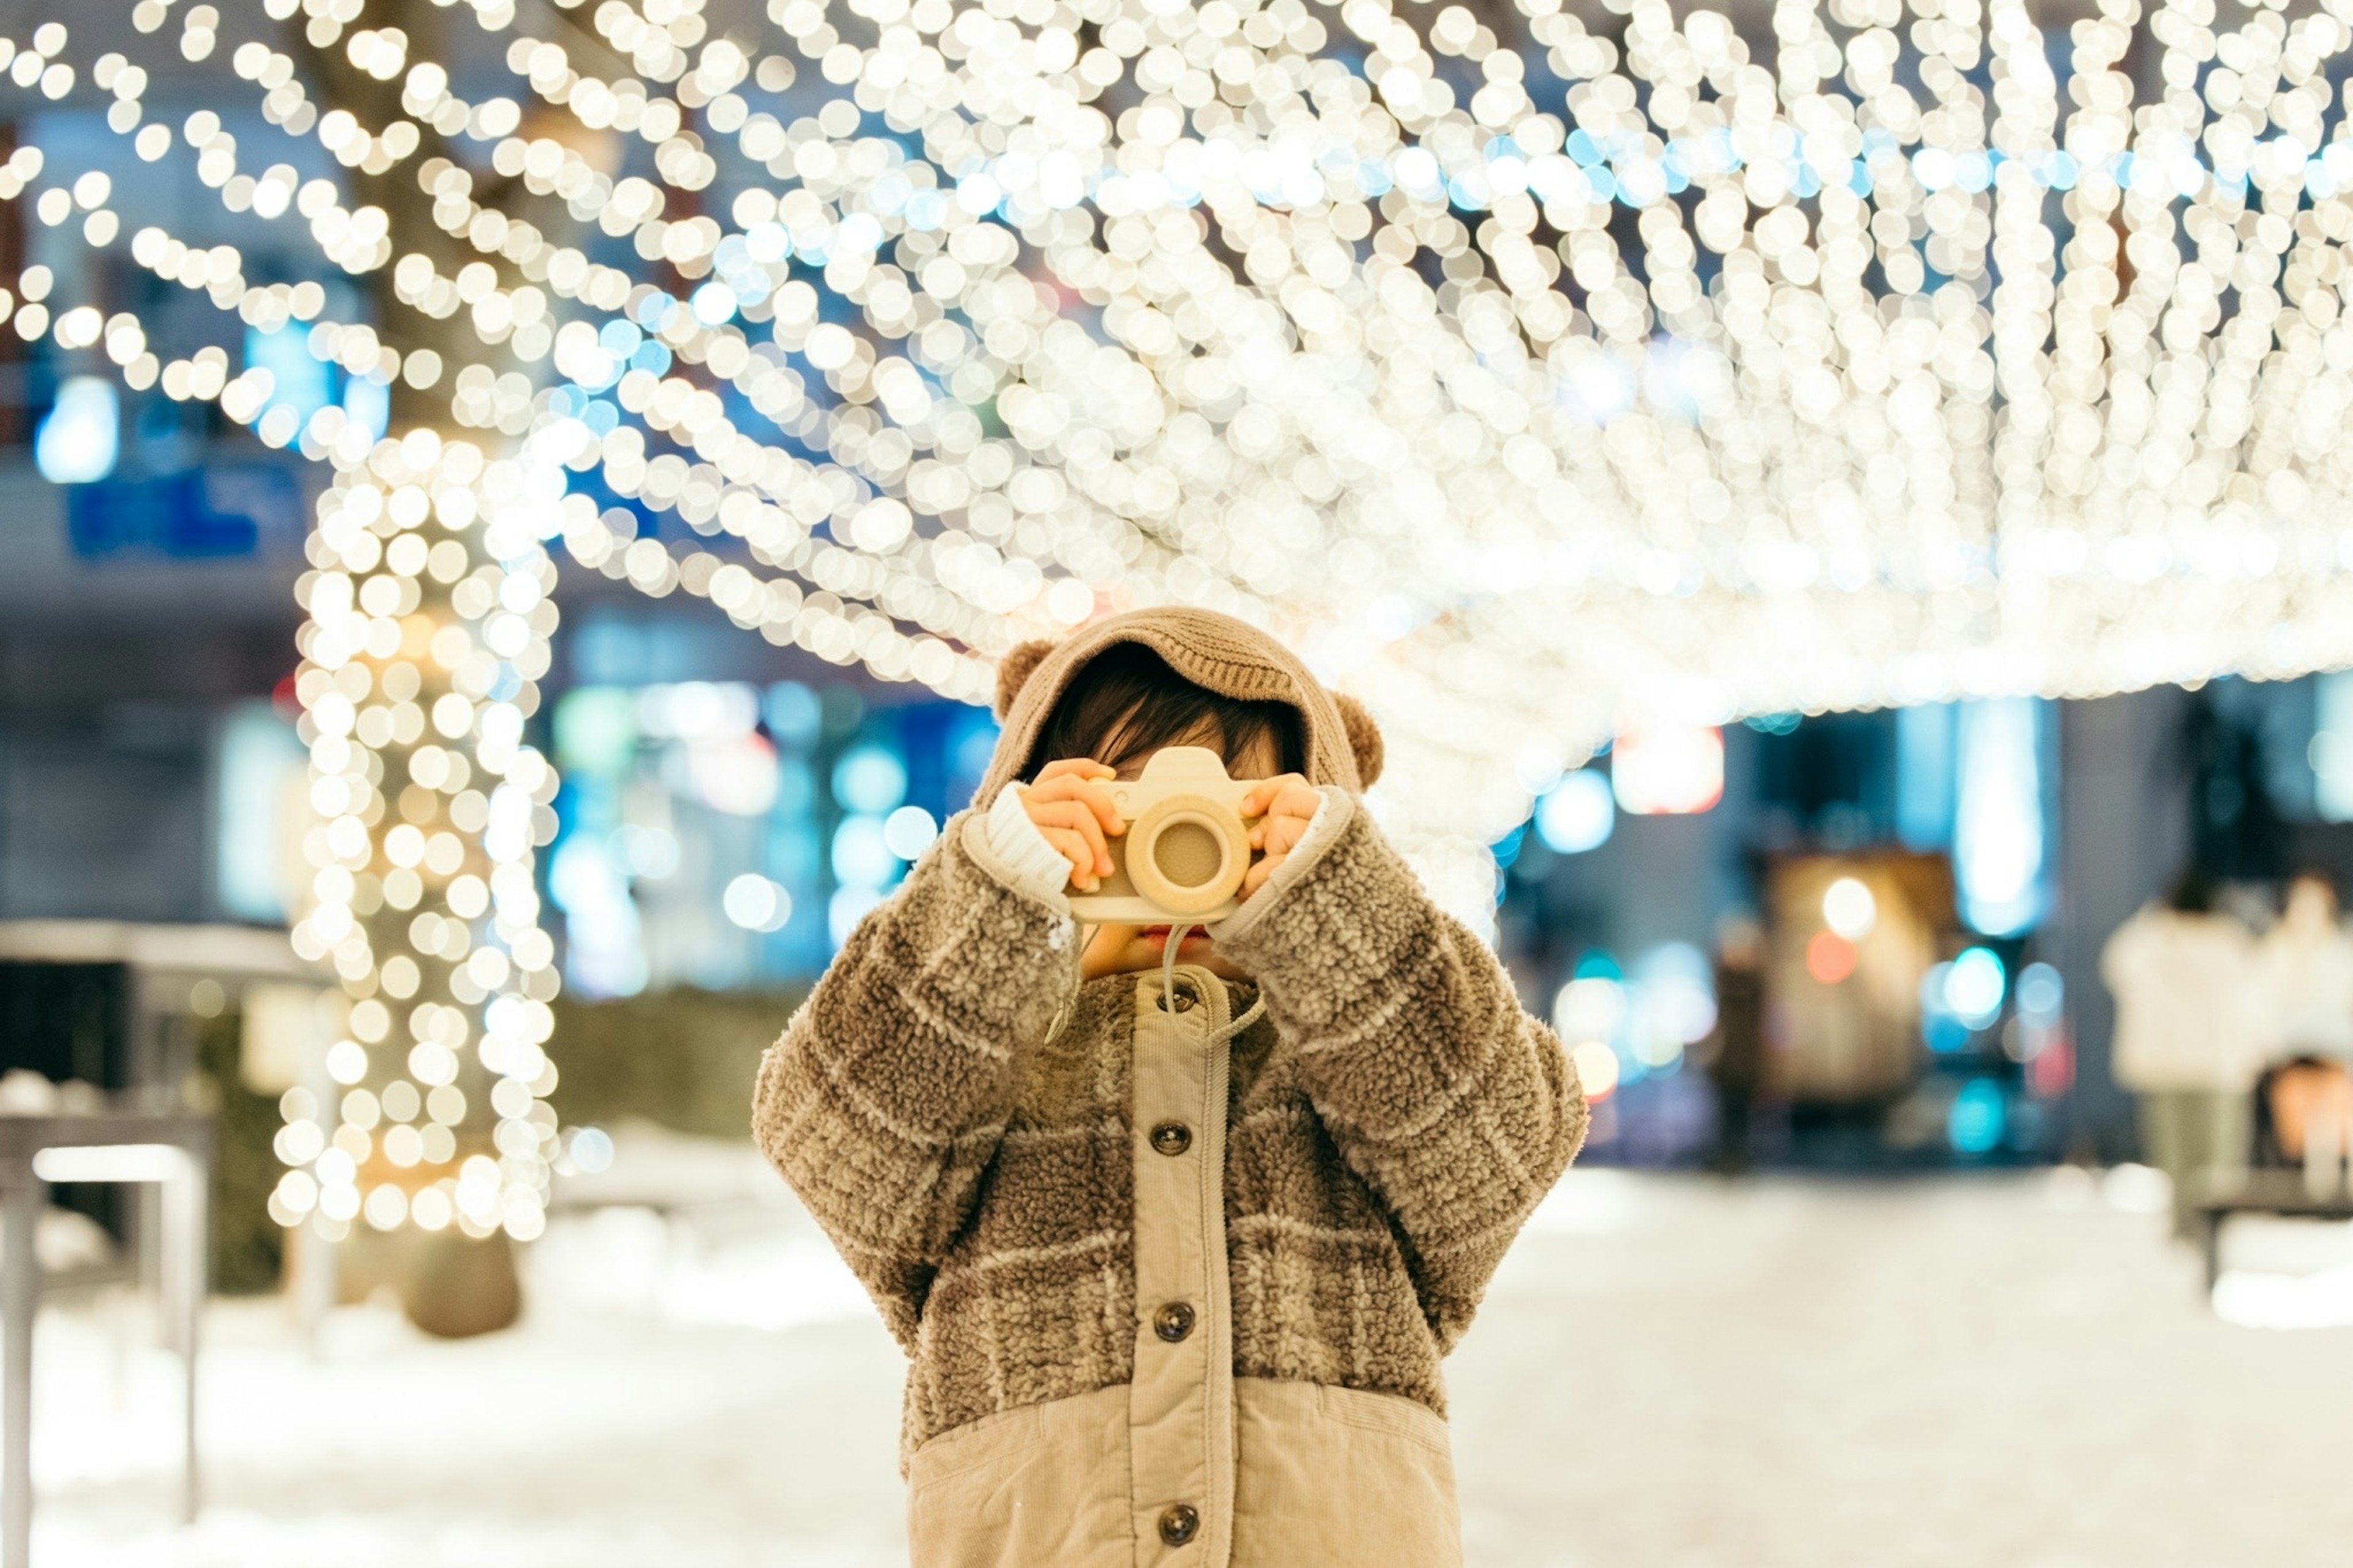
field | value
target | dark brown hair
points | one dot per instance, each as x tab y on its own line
1126	701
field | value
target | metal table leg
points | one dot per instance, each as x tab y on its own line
186	1254
20	1297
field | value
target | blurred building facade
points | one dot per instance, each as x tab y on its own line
730	807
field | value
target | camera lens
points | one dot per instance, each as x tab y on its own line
1188	854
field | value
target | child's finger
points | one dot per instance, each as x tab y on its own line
1264	793
1076	816
1296	800
1076	768
1088	793
1279	829
1074	849
1261	869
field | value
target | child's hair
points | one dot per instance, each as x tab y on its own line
1126	701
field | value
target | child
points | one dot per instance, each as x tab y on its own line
1174	1258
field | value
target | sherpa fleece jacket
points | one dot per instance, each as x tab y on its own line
1173	1298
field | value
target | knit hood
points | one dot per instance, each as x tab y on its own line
1217	652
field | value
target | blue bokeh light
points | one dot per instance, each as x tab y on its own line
82	433
1974	988
1979	1118
1577	814
871	780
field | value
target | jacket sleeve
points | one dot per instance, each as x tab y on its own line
886	1098
1458	1109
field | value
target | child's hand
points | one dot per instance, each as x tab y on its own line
1285	805
1074	812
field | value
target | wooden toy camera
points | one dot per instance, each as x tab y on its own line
1186	846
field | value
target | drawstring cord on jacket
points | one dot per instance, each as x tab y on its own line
1176	935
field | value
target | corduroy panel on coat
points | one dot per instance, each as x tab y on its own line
1457	1108
884	1102
1391	1121
1036	1296
1321	1290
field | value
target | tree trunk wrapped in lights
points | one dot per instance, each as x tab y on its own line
429	621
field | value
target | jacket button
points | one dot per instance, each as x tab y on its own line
1172	1138
1179	1522
1173	1322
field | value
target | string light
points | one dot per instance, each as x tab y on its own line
1668	387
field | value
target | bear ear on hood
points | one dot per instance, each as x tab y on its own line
1364	738
1014	670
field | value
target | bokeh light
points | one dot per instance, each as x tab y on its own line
908	831
1577	814
756	903
1849	908
1830	957
2041	993
1597	1069
1979	1117
78	437
1974	988
1669	771
869	779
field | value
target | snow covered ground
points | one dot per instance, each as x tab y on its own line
1670	1373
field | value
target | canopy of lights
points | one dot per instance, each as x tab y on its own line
1542	376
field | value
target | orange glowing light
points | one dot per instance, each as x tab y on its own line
1830	957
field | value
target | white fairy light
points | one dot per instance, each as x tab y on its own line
1905	368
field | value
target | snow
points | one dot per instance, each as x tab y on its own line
1670	1373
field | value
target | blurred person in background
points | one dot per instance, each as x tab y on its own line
1736	1065
2190	1025
2304	970
2304	974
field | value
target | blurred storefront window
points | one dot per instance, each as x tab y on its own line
1998	833
724	835
2331	751
1925	741
260	779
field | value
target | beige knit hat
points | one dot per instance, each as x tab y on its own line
1218	652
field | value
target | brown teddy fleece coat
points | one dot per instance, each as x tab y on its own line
1173	1293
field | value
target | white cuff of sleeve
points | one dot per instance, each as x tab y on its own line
1034	866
